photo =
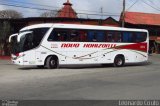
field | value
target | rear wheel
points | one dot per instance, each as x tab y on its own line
119	61
52	62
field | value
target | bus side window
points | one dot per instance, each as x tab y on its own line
83	36
53	36
125	37
117	37
140	37
128	37
109	37
96	36
100	36
58	35
91	36
74	35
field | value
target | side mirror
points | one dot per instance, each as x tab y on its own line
10	37
22	34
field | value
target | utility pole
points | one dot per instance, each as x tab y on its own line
101	12
123	13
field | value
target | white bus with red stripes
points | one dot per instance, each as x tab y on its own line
51	45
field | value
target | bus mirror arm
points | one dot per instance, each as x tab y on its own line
22	34
10	37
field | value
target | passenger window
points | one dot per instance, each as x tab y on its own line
58	35
100	36
109	37
91	36
117	37
140	37
74	35
96	36
128	37
83	35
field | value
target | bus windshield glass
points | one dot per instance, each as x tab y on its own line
14	45
28	40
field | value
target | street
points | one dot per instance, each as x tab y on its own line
89	82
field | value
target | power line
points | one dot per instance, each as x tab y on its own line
151	5
26	7
55	7
53	10
129	2
15	1
132	5
98	12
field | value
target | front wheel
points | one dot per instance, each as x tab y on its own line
119	61
52	62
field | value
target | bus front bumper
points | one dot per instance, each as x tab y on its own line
17	60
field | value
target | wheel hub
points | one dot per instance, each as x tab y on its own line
119	62
52	62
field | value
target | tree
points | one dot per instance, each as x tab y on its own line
10	14
49	14
6	29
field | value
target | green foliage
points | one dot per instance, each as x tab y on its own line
6	29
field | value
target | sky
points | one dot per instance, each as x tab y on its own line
103	8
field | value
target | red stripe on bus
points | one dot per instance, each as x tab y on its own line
137	46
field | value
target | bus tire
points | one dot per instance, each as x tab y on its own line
52	62
119	61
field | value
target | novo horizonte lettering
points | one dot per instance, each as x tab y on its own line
69	45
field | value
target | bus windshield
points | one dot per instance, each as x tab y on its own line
28	40
14	44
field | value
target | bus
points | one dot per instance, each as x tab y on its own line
51	45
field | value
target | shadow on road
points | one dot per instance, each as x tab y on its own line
88	66
138	64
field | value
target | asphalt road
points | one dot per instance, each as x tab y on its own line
81	82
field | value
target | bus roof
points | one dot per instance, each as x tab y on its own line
79	26
37	26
